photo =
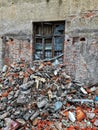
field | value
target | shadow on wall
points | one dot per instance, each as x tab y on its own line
60	1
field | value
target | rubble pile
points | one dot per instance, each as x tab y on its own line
44	97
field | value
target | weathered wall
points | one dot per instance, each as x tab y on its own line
17	50
81	47
16	17
1	59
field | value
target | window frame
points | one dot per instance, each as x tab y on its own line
51	36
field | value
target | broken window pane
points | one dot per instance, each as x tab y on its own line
48	44
38	55
48	54
58	43
59	29
38	44
57	53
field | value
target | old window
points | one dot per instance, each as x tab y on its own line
48	39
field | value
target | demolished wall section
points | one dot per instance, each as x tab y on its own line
80	47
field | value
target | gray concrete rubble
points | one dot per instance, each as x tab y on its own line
44	97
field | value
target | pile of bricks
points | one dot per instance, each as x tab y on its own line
44	97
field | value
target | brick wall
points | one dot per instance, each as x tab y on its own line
81	47
16	50
1	59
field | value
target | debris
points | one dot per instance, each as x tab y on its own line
58	105
10	124
80	114
81	100
71	116
50	95
34	115
83	90
5	67
42	103
44	97
96	123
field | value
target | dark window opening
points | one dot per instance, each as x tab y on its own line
82	39
48	39
75	39
11	39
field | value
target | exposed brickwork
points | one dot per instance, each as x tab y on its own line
16	50
81	48
1	59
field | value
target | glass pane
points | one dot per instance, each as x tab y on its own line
38	55
38	44
57	53
48	44
59	29
58	43
48	54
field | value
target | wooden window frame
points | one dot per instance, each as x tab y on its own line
45	36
